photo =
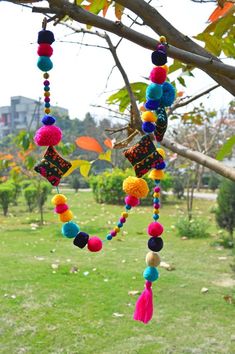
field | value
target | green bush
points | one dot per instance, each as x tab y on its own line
214	182
30	194
107	187
178	187
194	228
6	196
75	182
225	213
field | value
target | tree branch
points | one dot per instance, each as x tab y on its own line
214	68
193	98
200	158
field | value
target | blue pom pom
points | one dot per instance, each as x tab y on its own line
44	64
168	95
109	237
160	166
157	181
148	127
47	105
156	200
70	229
155	216
128	207
45	36
150	273
46	88
154	91
151	105
120	224
48	120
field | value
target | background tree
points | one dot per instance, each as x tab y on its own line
225	213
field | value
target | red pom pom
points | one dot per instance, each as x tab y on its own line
48	135
155	229
94	244
45	50
61	208
132	201
158	75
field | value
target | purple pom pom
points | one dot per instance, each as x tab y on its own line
148	127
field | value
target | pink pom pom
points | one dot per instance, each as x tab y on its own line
158	75
61	208
94	244
113	233
155	229
157	189
122	220
132	201
48	135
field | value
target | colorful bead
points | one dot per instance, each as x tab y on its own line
81	239
152	259
70	230
125	215
120	224
117	229
157	190
122	220
113	233
155	229
150	274
46	75
128	207
47	110
109	237
155	216
155	244
94	244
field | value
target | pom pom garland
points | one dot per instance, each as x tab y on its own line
144	157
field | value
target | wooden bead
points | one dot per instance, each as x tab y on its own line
152	259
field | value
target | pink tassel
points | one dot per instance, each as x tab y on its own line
144	305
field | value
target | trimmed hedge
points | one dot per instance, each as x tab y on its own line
107	187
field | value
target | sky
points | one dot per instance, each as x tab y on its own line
79	75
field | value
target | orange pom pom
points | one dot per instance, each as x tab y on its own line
156	174
59	199
148	117
142	109
136	187
66	216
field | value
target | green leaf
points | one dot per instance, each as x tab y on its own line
96	6
105	156
175	66
181	81
85	169
122	98
226	149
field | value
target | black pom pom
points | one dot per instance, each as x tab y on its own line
46	36
155	244
81	239
159	57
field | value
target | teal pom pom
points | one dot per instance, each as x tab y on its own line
154	92
70	229
44	63
150	274
109	237
155	217
168	95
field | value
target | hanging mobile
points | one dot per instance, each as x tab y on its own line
143	156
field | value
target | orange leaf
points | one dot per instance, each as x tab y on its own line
108	143
118	11
105	8
218	12
89	143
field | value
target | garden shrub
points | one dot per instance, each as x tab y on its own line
6	196
194	228
107	187
30	194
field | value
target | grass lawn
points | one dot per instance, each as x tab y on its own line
44	308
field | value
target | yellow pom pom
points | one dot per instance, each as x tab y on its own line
161	152
157	195
166	68
46	75
136	187
47	94
148	117
156	174
47	110
125	215
142	109
156	211
66	216
162	39
117	229
59	199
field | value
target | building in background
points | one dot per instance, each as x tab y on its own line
24	114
